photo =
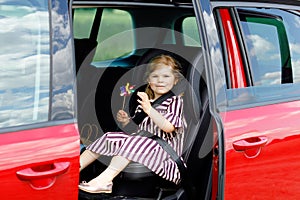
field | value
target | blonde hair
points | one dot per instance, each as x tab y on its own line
158	61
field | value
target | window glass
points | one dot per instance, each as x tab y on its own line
115	31
83	21
272	42
24	62
190	31
273	50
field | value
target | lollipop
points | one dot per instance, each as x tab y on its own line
126	91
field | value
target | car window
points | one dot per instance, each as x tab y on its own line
190	32
25	62
271	44
271	55
113	22
83	21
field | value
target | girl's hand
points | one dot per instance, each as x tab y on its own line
144	102
122	117
157	118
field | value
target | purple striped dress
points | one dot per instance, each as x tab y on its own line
145	150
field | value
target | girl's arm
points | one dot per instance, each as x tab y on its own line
160	121
156	117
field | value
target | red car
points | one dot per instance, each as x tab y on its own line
62	66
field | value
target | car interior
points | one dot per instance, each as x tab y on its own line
157	29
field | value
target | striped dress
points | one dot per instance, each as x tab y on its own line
145	150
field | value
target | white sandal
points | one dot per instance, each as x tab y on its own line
84	186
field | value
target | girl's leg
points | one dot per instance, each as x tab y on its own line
103	182
86	158
116	165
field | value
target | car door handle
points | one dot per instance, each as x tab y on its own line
43	176
250	143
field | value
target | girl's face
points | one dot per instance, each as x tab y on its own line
162	80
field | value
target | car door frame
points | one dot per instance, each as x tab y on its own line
39	159
241	78
216	79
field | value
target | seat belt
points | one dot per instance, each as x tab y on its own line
139	116
173	154
165	145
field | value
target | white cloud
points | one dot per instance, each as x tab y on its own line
212	32
262	48
60	26
297	21
295	48
296	70
25	65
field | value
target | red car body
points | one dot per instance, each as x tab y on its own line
268	153
40	162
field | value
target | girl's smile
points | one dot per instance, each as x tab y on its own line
162	80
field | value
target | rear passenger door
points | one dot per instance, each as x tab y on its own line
260	108
39	141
